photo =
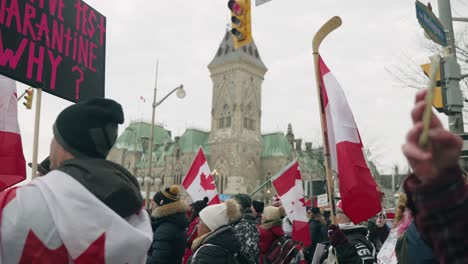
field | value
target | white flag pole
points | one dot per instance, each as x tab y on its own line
37	121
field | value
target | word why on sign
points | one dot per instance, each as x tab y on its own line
43	42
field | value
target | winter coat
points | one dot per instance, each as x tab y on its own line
268	234
440	209
412	249
247	233
217	247
318	233
192	233
170	237
74	211
358	249
377	235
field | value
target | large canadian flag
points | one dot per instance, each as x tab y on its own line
359	194
13	165
288	185
199	182
55	219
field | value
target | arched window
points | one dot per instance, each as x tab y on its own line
220	51
228	120
226	50
221	122
246	122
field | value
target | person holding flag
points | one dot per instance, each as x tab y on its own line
437	189
349	241
86	209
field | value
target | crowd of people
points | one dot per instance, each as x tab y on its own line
429	226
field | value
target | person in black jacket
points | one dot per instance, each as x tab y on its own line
246	230
169	225
350	241
318	231
217	242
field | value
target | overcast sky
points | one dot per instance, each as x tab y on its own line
185	35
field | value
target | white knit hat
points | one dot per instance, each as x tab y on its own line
215	216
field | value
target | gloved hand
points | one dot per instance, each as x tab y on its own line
336	236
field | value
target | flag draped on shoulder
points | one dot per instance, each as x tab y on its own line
66	223
288	185
199	182
13	165
359	194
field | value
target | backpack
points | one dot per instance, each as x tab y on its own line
283	250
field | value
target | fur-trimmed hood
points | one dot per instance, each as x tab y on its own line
170	213
169	209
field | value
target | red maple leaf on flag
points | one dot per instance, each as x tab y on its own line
207	182
35	251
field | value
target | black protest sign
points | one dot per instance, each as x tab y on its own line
57	45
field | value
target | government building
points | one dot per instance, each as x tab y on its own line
239	155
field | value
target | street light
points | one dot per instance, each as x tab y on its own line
181	94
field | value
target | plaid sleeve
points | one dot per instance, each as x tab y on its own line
440	209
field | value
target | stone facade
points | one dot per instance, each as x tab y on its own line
240	157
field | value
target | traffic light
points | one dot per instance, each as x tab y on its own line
439	100
241	22
29	98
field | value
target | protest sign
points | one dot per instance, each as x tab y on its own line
57	45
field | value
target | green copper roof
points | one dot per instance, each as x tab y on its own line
192	140
275	145
130	139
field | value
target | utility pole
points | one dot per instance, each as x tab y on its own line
451	70
151	138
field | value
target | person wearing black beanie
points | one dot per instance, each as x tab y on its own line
80	187
192	232
257	208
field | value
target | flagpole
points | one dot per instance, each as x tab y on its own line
323	32
37	120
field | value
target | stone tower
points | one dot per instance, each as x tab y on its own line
235	141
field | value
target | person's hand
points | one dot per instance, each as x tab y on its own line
336	235
444	147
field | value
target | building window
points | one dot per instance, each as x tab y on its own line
226	50
228	120
251	124
220	51
245	122
221	122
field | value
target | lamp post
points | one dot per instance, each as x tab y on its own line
181	94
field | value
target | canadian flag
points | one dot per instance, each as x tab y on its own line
13	165
55	219
288	185
199	182
359	194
